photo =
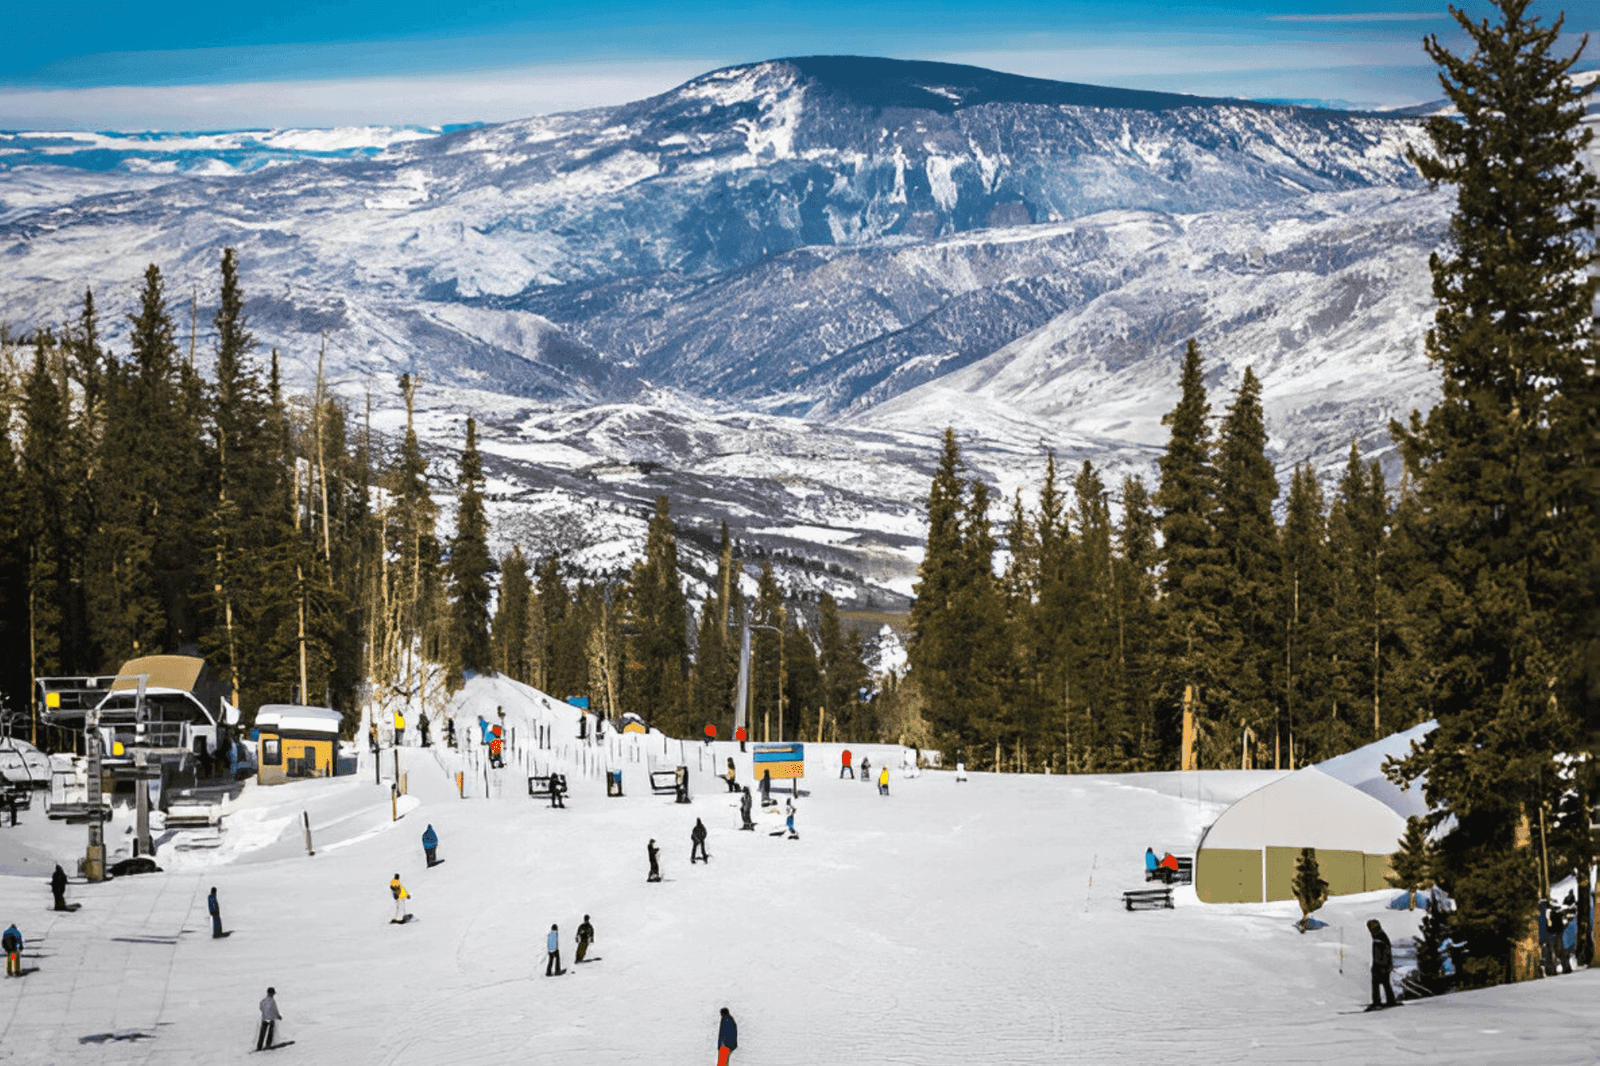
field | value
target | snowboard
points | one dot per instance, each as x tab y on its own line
1370	1009
591	958
225	934
70	908
407	920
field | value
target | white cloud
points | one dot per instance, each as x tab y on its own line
482	96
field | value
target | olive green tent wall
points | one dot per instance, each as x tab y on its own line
1226	875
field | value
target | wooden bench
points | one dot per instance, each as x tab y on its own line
1184	875
1147	897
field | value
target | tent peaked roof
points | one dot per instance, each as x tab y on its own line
1308	808
1363	769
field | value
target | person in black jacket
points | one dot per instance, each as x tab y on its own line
744	809
58	887
697	843
727	1038
585	938
1382	965
214	909
655	866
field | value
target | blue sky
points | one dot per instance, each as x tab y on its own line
176	64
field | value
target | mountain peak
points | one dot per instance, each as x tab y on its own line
880	83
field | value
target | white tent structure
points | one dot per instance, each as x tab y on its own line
1248	854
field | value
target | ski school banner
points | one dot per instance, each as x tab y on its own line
780	760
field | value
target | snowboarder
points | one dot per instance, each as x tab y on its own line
496	747
483	727
1382	965
727	1037
422	726
585	938
883	780
961	771
844	765
430	845
733	782
269	1018
11	942
58	887
789	809
766	789
697	843
398	891
399	729
655	867
744	809
741	736
552	966
450	732
214	909
866	768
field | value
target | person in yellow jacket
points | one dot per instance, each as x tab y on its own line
883	780
399	728
398	891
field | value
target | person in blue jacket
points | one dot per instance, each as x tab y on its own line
11	941
1149	862
552	943
214	909
430	845
727	1038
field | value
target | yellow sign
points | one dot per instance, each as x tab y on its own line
779	760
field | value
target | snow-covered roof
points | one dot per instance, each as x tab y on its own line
1363	769
1308	809
287	717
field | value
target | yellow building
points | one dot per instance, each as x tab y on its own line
295	742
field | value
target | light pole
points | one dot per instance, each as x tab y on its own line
742	703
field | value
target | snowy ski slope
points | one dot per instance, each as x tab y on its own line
948	923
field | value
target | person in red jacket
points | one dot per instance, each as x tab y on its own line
844	765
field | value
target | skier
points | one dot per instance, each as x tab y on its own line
844	765
585	938
1382	965
727	1037
214	909
496	746
423	727
558	788
697	845
399	729
789	808
766	789
11	941
450	732
552	967
741	736
744	809
655	867
961	771
398	891
883	780
269	1018
866	768
58	887
430	845
733	783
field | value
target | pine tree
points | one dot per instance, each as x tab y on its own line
658	648
511	617
1413	863
844	671
1137	658
1505	471
45	527
1247	537
1194	572
470	567
1304	595
1309	887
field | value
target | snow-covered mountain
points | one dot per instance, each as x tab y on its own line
725	288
